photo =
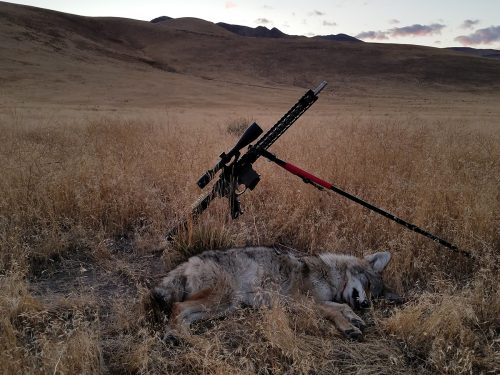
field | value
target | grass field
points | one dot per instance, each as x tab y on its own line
86	198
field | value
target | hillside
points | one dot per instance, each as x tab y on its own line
46	54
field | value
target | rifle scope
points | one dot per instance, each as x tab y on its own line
251	134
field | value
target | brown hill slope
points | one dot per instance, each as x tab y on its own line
45	54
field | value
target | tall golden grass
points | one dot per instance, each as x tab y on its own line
84	206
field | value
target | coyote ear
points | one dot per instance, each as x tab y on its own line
379	261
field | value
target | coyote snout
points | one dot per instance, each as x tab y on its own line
215	283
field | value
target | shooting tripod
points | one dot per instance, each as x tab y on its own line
320	184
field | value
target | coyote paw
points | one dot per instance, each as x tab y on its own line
355	325
171	338
357	322
353	318
346	321
353	333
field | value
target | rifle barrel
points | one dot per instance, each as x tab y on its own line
320	87
290	117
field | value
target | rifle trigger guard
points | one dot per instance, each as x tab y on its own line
239	192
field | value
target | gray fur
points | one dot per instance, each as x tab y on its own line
216	282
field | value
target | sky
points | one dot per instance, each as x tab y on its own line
437	23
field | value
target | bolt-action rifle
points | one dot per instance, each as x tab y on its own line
237	171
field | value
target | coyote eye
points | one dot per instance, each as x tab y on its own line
365	282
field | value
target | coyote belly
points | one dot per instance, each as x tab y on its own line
215	283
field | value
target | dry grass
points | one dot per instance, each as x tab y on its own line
83	207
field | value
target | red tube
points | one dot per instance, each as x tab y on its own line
306	175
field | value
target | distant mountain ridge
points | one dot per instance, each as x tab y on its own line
257	32
264	32
339	38
490	53
160	19
111	54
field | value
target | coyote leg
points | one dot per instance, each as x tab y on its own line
344	318
203	305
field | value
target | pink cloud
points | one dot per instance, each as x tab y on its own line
417	30
469	24
412	31
230	4
482	36
376	35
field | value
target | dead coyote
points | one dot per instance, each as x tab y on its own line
215	283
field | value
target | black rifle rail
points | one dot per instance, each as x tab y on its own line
286	121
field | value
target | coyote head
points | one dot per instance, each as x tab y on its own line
362	278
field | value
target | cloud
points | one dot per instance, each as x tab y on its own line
267	7
316	13
328	23
417	30
263	21
394	21
408	31
376	35
469	24
482	36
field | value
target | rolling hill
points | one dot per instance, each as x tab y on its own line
53	56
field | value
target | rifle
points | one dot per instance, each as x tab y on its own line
237	169
240	172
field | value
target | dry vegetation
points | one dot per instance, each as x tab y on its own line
113	122
83	206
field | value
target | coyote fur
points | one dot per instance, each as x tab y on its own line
215	283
